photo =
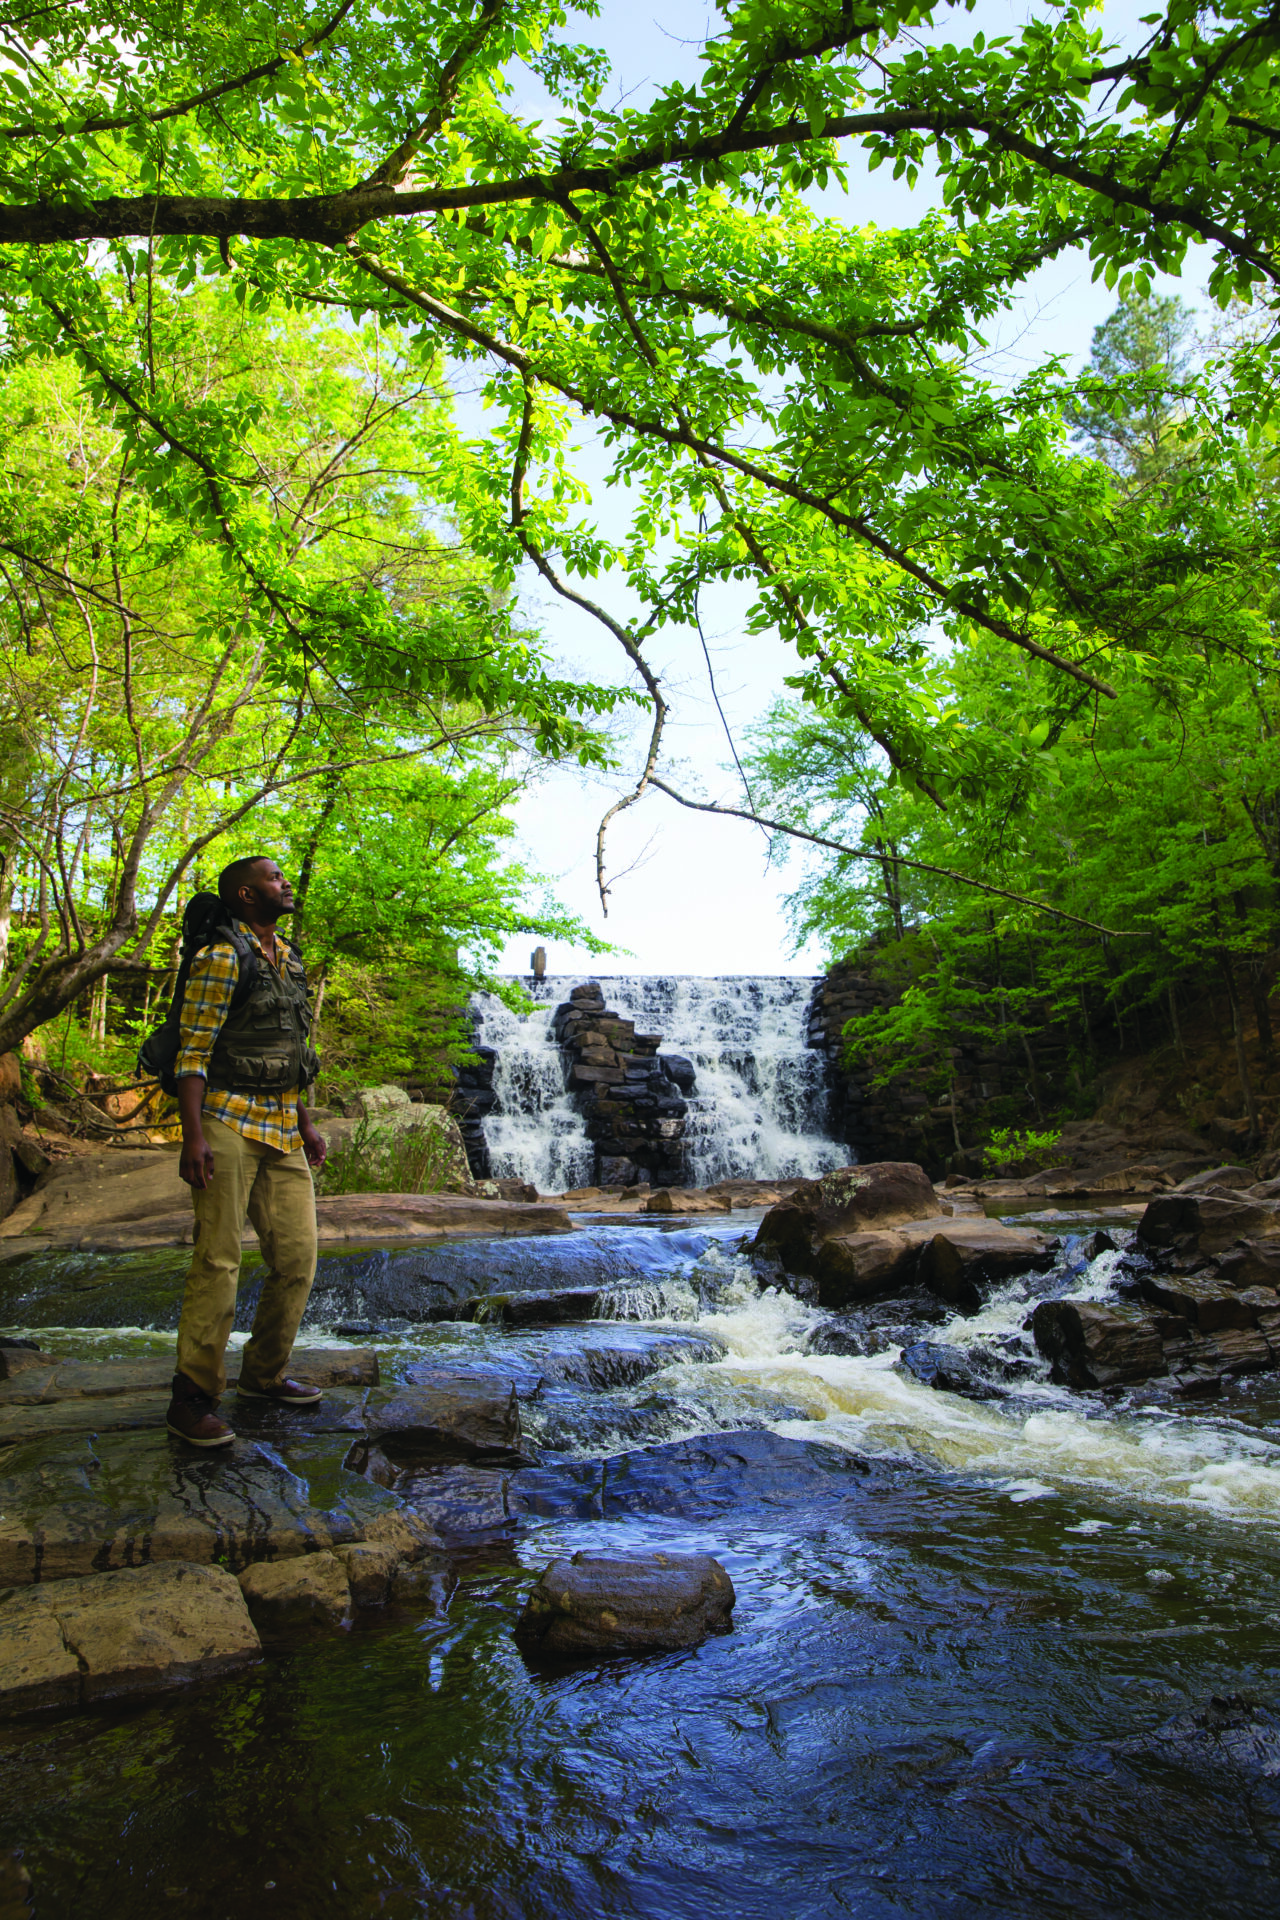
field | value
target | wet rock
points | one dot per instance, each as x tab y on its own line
1228	1736
700	1479
79	1505
844	1335
369	1571
1204	1303
599	1604
1097	1346
309	1594
1206	1222
538	1309
961	1256
140	1630
623	1356
679	1068
445	1414
1250	1263
39	1378
461	1503
847	1201
1099	1241
949	1370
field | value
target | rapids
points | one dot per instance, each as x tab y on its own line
971	1670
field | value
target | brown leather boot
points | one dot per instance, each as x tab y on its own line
285	1393
193	1416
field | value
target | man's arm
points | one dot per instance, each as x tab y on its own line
313	1146
205	1006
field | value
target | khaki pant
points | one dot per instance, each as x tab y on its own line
275	1191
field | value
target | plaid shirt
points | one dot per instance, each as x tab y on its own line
269	1117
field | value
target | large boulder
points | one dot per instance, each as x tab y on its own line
1207	1222
388	1139
1097	1346
874	1230
849	1200
599	1604
75	1196
140	1630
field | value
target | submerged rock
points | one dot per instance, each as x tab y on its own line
136	1631
600	1604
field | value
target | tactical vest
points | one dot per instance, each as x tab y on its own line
265	1044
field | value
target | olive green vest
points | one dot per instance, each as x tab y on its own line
264	1045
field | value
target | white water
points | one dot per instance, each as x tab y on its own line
759	1107
1045	1443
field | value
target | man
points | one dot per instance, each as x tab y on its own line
248	1147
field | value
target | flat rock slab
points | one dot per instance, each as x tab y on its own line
1210	1222
78	1505
1091	1345
447	1414
53	1380
1206	1303
341	1411
139	1630
355	1219
640	1603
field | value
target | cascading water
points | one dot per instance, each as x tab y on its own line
759	1108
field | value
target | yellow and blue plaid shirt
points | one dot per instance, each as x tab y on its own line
269	1117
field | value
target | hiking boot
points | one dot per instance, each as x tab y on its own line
285	1393
193	1416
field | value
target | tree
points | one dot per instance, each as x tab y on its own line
155	716
790	398
1142	358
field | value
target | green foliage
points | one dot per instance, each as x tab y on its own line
1010	1147
420	1159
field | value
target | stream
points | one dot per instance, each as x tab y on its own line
1008	1655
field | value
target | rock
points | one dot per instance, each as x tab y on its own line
549	1309
1096	1346
680	1069
1099	1241
849	1200
385	1121
1250	1263
447	1415
77	1195
686	1200
948	1370
1232	1740
18	1357
308	1594
1231	1177
85	1504
1192	1357
1204	1303
597	1604
1206	1222
461	1504
967	1252
28	1377
516	1190
140	1630
369	1572
616	1170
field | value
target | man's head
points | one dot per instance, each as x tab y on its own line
254	889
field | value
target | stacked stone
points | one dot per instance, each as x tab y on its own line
473	1098
631	1106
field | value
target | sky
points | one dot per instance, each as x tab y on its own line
692	894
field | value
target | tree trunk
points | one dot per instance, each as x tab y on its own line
1258	985
1242	1061
1174	1023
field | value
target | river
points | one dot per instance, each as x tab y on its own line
973	1665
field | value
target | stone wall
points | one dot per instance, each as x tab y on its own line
631	1102
910	1116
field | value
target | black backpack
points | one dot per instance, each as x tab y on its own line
205	921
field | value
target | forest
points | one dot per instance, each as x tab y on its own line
300	320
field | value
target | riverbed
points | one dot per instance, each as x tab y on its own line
1010	1655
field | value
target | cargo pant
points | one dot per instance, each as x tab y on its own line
275	1191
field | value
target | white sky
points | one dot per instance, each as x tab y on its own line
701	898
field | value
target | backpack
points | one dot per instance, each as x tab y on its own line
205	922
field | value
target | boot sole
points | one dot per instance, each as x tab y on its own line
223	1440
279	1399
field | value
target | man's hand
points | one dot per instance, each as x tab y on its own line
196	1163
313	1146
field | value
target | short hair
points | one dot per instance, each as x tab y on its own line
237	875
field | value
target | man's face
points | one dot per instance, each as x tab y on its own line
270	894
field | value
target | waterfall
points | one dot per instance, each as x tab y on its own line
759	1107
